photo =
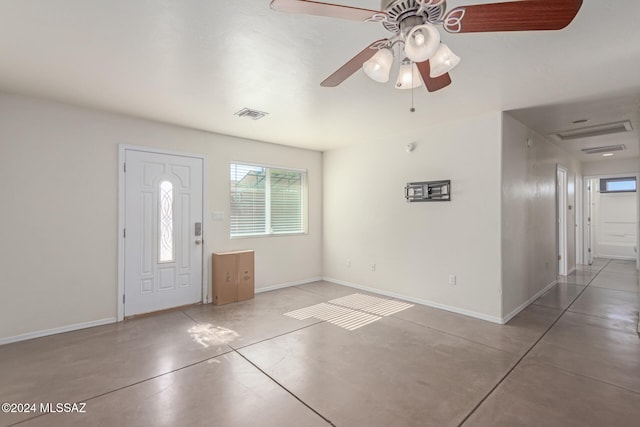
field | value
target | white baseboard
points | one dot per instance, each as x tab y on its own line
457	310
287	285
617	257
47	332
528	302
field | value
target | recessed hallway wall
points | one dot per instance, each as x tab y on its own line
529	246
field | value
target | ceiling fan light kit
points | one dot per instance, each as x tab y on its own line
408	76
422	42
413	24
443	61
378	68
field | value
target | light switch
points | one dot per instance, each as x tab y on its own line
218	216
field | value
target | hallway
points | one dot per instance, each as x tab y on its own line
585	370
570	359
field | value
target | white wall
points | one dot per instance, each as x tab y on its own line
529	251
611	166
417	246
58	222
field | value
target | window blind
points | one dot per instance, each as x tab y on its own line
248	200
266	201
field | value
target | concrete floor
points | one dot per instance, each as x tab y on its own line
570	359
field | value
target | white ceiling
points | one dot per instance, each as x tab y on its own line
551	119
196	62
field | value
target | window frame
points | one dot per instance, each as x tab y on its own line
605	181
304	177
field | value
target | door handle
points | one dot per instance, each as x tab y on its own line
198	241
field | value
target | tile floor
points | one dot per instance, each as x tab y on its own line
570	359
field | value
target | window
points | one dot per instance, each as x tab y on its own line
166	251
267	201
618	185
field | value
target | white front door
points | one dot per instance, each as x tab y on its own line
163	231
616	226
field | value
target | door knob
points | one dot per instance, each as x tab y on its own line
198	241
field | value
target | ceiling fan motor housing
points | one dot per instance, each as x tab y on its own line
399	10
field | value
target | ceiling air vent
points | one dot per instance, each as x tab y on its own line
590	131
607	149
251	114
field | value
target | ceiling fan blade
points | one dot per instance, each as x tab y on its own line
432	84
525	15
325	9
344	72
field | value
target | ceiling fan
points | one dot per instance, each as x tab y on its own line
413	24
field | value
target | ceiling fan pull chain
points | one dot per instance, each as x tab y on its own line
412	109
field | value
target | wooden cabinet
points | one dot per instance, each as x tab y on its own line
233	277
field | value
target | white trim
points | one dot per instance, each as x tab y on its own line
121	222
481	316
562	203
287	285
587	221
617	257
578	215
263	165
528	302
206	289
47	332
122	148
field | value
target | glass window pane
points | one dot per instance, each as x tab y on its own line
286	202
166	240
621	186
612	185
248	200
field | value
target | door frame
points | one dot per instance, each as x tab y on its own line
587	219
578	215
122	148
562	182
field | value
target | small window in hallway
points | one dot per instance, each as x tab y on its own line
618	185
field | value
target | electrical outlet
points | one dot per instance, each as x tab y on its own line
348	262
452	279
373	267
